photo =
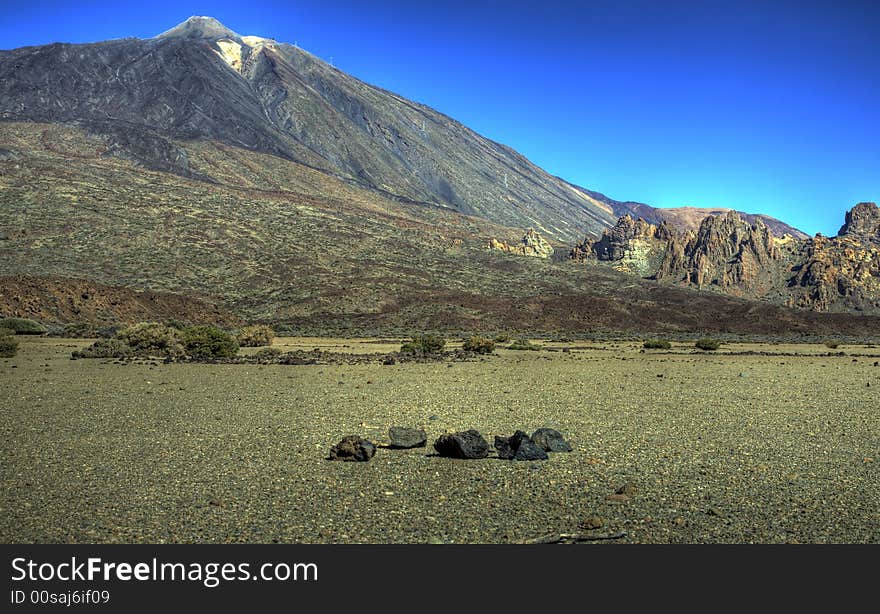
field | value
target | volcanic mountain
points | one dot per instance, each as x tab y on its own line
249	174
200	80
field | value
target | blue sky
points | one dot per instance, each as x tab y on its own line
767	107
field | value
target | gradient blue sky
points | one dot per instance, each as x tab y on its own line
770	107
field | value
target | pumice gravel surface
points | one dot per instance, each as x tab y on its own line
754	443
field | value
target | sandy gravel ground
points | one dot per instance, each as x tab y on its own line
715	448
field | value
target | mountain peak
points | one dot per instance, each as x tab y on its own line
199	27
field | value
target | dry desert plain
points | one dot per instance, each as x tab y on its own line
778	446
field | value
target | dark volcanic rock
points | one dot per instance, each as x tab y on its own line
353	448
402	437
465	444
520	447
551	440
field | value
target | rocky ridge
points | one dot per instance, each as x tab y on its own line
729	254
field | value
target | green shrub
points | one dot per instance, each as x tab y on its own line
831	344
657	344
23	326
479	345
6	332
502	338
153	339
8	346
255	336
106	348
176	324
208	342
523	344
424	344
709	345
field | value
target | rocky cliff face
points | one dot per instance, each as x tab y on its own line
731	255
632	245
726	251
842	272
532	244
862	221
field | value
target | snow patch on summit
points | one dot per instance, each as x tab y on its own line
230	52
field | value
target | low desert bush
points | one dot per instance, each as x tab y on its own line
6	332
258	335
8	346
479	345
106	348
707	344
832	344
23	326
502	338
208	342
657	344
424	344
152	339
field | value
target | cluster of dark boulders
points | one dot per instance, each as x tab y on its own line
468	444
519	446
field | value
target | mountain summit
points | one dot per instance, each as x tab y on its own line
199	27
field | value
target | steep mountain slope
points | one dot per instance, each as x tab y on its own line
273	240
201	81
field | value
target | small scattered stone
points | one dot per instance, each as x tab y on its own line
403	438
551	440
464	444
628	489
353	448
592	523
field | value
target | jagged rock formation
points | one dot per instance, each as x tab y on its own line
863	221
843	271
731	255
631	245
726	251
532	244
